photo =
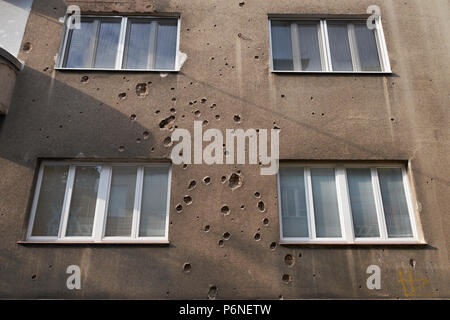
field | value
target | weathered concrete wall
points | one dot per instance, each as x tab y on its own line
9	67
405	116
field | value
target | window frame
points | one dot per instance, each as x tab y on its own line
101	207
324	44
120	54
344	206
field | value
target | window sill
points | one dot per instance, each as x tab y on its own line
116	70
338	73
356	243
103	242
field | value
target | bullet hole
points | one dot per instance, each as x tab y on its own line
122	95
237	118
145	134
27	47
266	222
205	122
187	267
257	194
322	114
256	57
286	278
152	149
185	166
167	123
217	116
235	181
392	119
276	127
213	106
261	206
50	266
138	140
280	297
273	245
206	228
203	100
220	243
257	236
132	117
174	99
179	208
187	199
300	255
84	79
197	113
312	98
241	4
121	149
33	277
172	110
412	263
223	179
212	58
226	236
207	180
225	210
242	207
289	260
141	89
157	111
212	292
192	184
167	142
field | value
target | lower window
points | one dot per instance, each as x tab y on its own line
100	202
346	204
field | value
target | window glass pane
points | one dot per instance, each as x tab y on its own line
362	202
138	45
154	202
50	202
107	46
293	203
309	46
84	199
81	47
121	201
367	48
326	212
166	45
339	46
281	45
394	202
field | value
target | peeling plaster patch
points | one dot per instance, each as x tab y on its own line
142	90
163	74
182	57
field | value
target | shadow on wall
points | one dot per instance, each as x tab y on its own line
49	118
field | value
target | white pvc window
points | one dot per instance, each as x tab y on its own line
327	45
122	43
346	204
85	202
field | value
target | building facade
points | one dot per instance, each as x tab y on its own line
358	209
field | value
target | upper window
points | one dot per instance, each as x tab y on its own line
348	204
327	45
122	43
77	202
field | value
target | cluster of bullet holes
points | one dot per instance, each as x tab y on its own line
261	206
167	123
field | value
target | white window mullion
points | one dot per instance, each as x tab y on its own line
121	45
353	47
295	43
137	202
102	203
325	47
344	205
35	201
310	204
379	204
169	184
151	60
66	202
95	42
